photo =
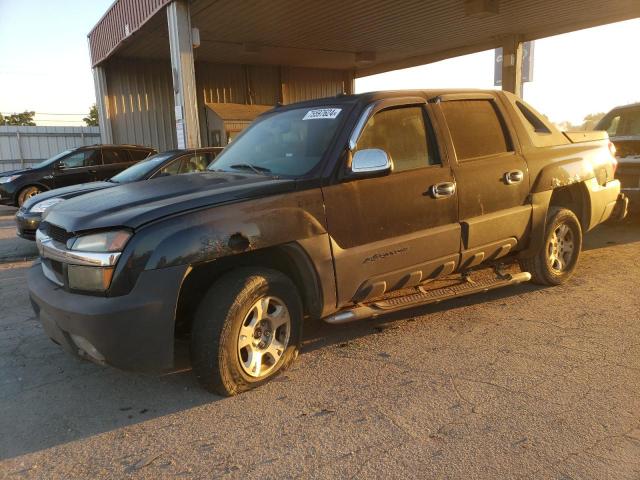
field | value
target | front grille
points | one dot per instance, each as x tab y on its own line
58	234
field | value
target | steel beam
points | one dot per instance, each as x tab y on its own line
102	103
512	64
183	72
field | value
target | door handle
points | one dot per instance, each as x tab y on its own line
443	190
514	176
93	171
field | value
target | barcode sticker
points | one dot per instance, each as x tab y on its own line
322	113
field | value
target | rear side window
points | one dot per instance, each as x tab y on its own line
115	156
137	155
535	121
401	132
476	128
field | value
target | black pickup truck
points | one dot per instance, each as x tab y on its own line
338	209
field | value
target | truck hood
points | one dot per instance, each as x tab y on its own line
135	204
67	192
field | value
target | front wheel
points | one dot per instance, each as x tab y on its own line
556	261
27	193
246	330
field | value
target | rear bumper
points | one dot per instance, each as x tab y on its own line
131	332
27	224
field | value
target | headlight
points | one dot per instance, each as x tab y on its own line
102	242
40	207
8	179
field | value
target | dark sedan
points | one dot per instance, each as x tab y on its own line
71	167
172	162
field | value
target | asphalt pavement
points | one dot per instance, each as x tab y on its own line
523	382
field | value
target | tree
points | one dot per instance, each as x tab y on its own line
24	119
591	120
92	119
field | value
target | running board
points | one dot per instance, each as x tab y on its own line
425	297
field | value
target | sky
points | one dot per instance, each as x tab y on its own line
44	65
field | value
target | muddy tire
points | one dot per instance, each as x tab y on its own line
246	330
28	192
556	261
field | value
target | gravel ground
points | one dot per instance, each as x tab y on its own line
524	382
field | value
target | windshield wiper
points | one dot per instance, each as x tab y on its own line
247	166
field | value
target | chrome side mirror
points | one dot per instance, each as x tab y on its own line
371	161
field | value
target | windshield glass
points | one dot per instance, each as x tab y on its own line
140	170
49	161
288	143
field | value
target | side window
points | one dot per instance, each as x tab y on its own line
476	128
172	169
535	121
86	158
110	156
195	163
401	132
137	155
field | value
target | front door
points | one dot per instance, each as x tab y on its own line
77	167
391	232
492	177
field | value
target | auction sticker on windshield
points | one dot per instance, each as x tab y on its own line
321	113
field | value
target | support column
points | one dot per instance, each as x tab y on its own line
183	72
102	103
512	65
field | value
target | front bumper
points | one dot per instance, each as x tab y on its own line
27	223
131	332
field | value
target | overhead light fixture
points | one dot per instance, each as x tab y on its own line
195	37
481	8
365	58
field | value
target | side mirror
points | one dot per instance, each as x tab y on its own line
371	161
58	166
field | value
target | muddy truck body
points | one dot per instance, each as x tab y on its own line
338	209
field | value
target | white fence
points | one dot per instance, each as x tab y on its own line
23	146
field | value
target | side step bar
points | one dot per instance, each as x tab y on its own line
425	297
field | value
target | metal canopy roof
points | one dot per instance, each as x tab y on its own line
367	36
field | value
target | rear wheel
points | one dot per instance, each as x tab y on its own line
246	330
556	261
26	193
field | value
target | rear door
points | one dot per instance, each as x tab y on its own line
492	176
114	160
77	167
391	232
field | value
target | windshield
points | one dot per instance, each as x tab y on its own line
621	123
140	170
288	143
49	161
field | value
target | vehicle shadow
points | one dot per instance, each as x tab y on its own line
613	233
320	335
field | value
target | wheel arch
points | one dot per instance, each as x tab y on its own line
290	259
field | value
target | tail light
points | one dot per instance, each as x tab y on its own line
614	160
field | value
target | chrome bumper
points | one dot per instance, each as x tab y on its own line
49	248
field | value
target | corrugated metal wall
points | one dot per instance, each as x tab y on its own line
140	105
140	94
300	83
23	146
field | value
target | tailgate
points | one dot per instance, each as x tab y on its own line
586	136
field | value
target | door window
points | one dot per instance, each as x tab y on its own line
137	155
400	132
85	158
187	164
476	128
115	156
